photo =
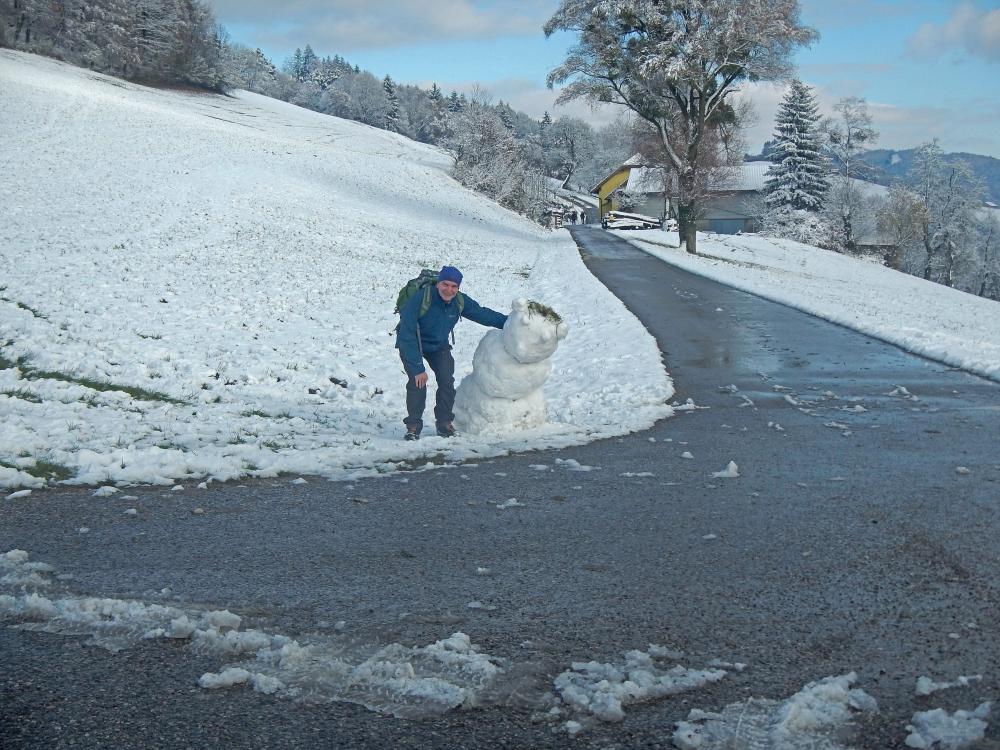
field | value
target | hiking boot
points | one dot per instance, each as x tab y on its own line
412	433
446	430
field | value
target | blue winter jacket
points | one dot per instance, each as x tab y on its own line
435	325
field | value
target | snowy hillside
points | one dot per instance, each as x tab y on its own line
202	286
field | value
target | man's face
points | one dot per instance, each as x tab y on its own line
447	290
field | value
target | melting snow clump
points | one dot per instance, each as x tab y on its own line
938	728
602	690
730	472
926	686
819	715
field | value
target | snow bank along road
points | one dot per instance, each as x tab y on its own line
811	534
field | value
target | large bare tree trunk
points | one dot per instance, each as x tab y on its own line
687	214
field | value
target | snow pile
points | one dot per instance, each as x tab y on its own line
395	679
926	686
217	301
503	393
602	689
819	715
940	729
930	319
730	472
17	571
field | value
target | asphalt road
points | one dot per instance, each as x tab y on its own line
849	542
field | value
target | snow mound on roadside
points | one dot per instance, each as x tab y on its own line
818	716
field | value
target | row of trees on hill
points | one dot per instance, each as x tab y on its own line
169	41
932	223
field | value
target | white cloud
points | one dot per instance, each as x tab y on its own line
899	127
974	30
348	25
534	99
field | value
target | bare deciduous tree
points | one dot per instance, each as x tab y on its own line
847	135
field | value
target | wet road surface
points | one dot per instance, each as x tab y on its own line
850	541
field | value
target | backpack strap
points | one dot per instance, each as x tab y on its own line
425	304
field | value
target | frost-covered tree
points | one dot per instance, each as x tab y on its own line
506	113
392	117
430	124
293	65
455	102
674	63
572	143
989	282
848	134
151	40
325	72
250	69
952	195
358	97
489	159
901	218
799	176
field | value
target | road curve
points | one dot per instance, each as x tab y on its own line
850	541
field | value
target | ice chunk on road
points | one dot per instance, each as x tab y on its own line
938	728
926	686
603	689
819	715
730	472
225	678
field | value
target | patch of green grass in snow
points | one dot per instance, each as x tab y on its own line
30	373
51	471
48	470
23	306
140	394
23	394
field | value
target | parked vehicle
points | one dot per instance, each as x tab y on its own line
622	220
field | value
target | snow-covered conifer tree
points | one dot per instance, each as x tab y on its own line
799	177
392	116
309	63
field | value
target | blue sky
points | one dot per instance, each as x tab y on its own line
928	68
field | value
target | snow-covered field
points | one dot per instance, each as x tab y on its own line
942	324
233	262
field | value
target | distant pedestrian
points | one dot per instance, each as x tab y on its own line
426	320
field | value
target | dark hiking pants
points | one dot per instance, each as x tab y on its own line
443	365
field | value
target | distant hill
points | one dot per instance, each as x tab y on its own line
891	165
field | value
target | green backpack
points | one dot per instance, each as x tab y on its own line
423	282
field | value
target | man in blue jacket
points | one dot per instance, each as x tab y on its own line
425	337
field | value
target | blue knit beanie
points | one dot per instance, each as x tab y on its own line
450	273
